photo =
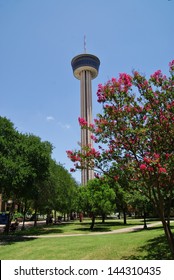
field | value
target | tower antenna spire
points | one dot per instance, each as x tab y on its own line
84	43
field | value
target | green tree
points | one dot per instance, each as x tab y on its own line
64	189
37	155
97	198
24	163
9	138
136	131
139	203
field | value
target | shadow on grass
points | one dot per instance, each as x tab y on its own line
38	230
98	226
102	227
117	223
41	230
155	249
95	229
11	239
27	234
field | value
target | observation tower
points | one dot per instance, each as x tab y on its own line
85	68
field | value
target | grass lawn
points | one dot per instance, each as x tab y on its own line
144	244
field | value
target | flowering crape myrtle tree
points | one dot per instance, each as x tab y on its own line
135	133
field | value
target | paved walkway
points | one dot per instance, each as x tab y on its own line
122	230
27	224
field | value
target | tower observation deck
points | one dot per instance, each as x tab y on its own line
85	68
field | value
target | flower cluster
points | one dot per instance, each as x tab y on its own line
82	122
125	81
100	94
94	138
92	153
73	156
171	66
152	164
113	86
158	78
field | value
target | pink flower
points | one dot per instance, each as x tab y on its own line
127	155
167	156
162	170
101	97
96	175
158	77
82	122
171	66
93	138
94	153
113	80
150	168
116	178
156	156
73	156
143	167
72	170
91	125
69	153
100	87
124	81
147	160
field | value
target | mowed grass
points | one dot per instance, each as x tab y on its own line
145	244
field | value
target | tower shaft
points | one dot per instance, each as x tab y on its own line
86	114
85	68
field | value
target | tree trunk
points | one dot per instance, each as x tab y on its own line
168	210
23	222
145	224
24	213
169	235
93	222
103	218
35	218
7	227
124	216
159	203
55	216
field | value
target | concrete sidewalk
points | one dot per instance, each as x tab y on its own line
116	231
27	224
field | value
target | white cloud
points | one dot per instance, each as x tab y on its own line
50	118
67	126
64	126
60	124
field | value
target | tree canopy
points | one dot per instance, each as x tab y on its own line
28	174
97	198
134	134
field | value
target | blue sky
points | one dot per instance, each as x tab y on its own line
38	39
